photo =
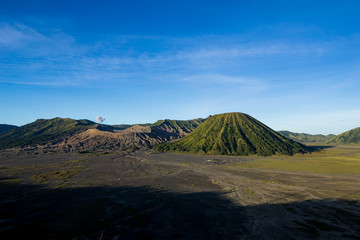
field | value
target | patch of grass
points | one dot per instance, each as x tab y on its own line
10	180
332	161
249	191
185	164
44	167
352	197
61	185
55	175
230	189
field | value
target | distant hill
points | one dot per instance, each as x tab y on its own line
142	136
64	134
233	134
121	126
182	127
42	130
304	137
352	136
6	127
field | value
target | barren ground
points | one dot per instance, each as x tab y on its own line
172	196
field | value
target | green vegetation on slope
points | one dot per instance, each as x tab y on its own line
5	127
352	136
42	130
186	126
233	134
304	137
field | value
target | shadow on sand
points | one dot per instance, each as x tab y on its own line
34	211
321	147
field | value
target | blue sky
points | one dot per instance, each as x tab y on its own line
294	65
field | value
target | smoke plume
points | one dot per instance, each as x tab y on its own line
100	119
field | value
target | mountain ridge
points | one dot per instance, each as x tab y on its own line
42	130
64	134
305	137
6	127
348	137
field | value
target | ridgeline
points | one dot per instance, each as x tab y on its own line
307	138
64	134
6	127
352	136
42	130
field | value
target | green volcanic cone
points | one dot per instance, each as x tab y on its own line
234	134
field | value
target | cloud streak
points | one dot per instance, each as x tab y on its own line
17	36
57	59
24	41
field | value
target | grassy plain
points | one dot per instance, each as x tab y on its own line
343	159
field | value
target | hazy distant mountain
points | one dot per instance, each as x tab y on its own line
234	134
304	137
352	136
6	127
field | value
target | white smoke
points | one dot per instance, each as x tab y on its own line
100	119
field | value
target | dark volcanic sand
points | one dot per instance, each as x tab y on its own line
170	196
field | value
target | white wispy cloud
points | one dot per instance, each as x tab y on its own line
16	36
217	78
28	42
221	80
249	50
56	58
